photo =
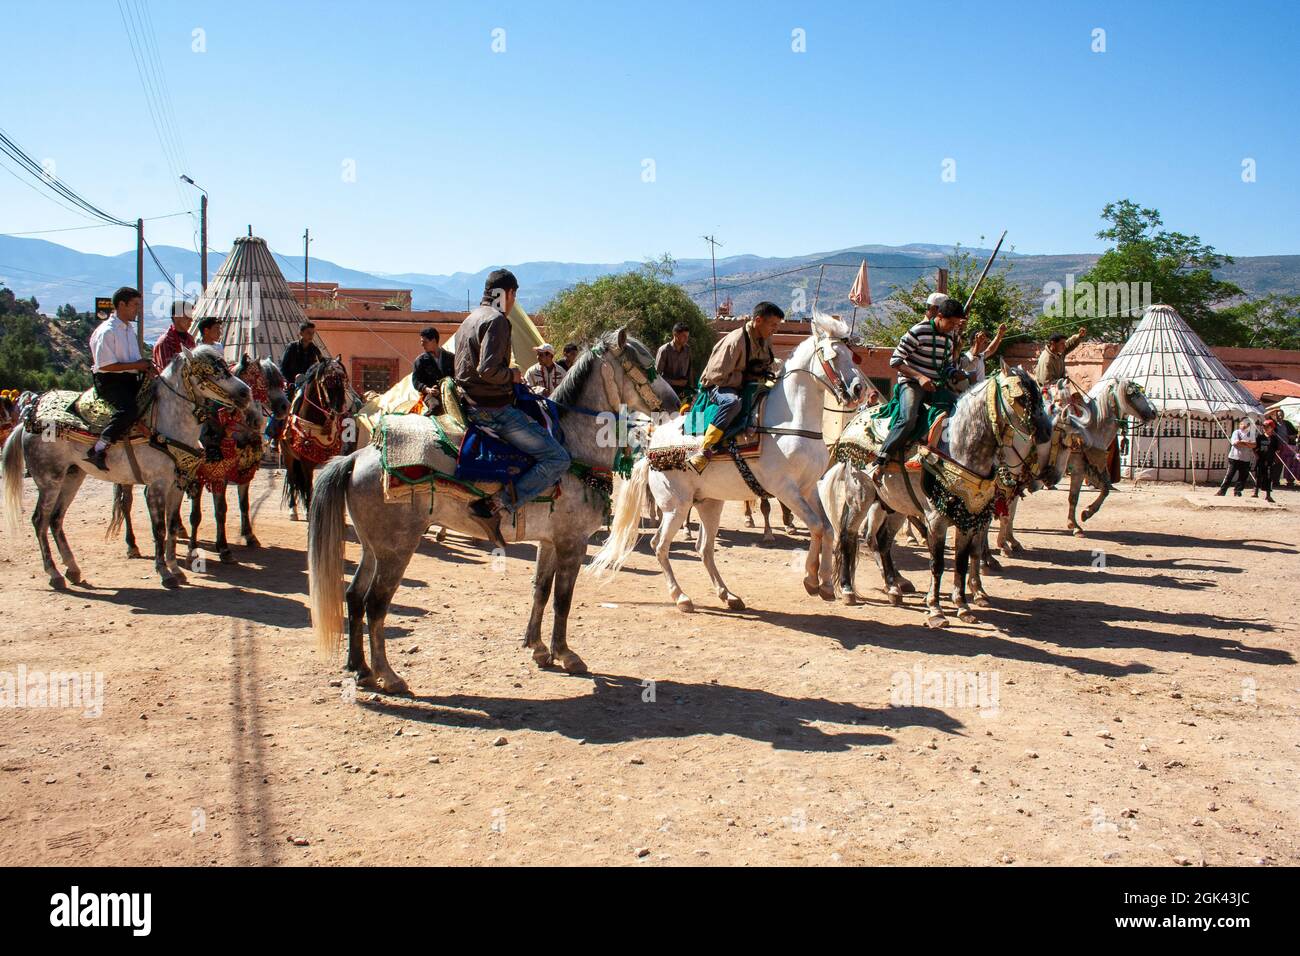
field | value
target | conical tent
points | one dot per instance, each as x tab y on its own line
259	315
1198	398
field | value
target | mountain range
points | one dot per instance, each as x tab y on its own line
56	275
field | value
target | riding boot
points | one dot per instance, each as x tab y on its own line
698	461
98	457
486	513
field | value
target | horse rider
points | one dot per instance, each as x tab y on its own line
546	376
487	381
739	358
171	342
117	366
673	361
1051	360
924	359
300	356
431	366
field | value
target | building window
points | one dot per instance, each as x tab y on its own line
373	374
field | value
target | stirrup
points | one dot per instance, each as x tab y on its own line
699	461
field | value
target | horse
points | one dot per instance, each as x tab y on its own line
313	430
617	372
58	465
791	459
1002	414
268	386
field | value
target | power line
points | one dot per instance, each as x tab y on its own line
102	225
38	172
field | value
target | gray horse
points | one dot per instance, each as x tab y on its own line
269	400
618	372
58	464
989	439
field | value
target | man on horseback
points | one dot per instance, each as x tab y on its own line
117	367
300	355
173	340
1051	361
485	377
924	359
739	358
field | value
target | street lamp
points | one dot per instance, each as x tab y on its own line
203	231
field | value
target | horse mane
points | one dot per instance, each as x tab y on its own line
271	371
575	379
831	325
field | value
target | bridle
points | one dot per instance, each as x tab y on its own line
641	376
832	381
195	378
314	394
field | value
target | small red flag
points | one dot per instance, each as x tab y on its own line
860	294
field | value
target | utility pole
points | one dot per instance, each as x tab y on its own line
713	254
941	280
139	281
203	244
306	257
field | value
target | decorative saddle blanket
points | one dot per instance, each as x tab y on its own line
83	415
860	441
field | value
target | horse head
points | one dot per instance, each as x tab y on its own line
833	350
627	371
205	375
277	399
1024	399
1132	400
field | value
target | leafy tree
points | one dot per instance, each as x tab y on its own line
24	359
1269	323
998	301
644	300
1179	267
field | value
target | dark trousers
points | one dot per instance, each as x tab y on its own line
121	390
1238	471
728	403
1264	475
911	400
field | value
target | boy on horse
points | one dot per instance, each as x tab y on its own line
487	381
925	360
738	359
117	367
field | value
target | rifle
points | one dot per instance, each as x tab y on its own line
971	298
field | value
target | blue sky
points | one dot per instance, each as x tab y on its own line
465	157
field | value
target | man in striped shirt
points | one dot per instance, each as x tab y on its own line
924	360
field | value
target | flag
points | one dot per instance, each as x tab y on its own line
860	294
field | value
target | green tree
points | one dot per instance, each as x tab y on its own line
24	358
998	301
1179	267
1272	322
644	300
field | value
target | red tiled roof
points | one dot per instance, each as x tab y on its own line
1273	386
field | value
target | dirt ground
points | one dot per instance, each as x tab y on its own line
1138	705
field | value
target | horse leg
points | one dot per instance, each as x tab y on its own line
710	516
126	497
356	600
246	519
937	533
71	485
543	579
881	530
46	501
965	547
817	573
568	564
979	543
673	515
219	511
1076	482
787	519
196	518
160	514
749	513
765	506
1093	508
379	596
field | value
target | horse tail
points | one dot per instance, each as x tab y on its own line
119	511
625	529
11	464
325	552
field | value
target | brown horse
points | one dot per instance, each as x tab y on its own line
313	430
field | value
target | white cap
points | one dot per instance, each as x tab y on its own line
544	347
937	298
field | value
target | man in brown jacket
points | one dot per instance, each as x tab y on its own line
1051	360
739	357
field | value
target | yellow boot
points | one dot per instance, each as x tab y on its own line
712	435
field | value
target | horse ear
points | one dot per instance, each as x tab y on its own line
1006	369
186	353
622	337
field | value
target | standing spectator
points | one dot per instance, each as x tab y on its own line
570	356
544	377
1266	447
1240	457
673	360
173	340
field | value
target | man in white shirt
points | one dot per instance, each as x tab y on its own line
117	367
973	359
544	377
1241	455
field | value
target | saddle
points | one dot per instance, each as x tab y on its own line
81	416
860	441
743	433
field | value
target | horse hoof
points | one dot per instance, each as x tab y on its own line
767	539
542	657
936	620
441	536
812	586
848	598
735	604
57	582
685	605
826	593
170	583
181	578
225	557
895	598
133	553
992	563
982	600
251	542
906	586
394	685
966	617
749	522
571	663
1078	532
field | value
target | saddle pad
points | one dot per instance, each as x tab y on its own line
697	419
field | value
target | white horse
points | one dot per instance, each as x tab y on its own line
58	465
792	459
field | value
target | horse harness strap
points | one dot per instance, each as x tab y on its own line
797	432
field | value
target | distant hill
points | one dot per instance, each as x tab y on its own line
56	275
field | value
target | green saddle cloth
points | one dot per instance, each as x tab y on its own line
870	427
84	411
700	416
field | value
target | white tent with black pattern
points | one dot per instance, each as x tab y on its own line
1199	400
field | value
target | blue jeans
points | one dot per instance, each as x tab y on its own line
551	461
728	404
